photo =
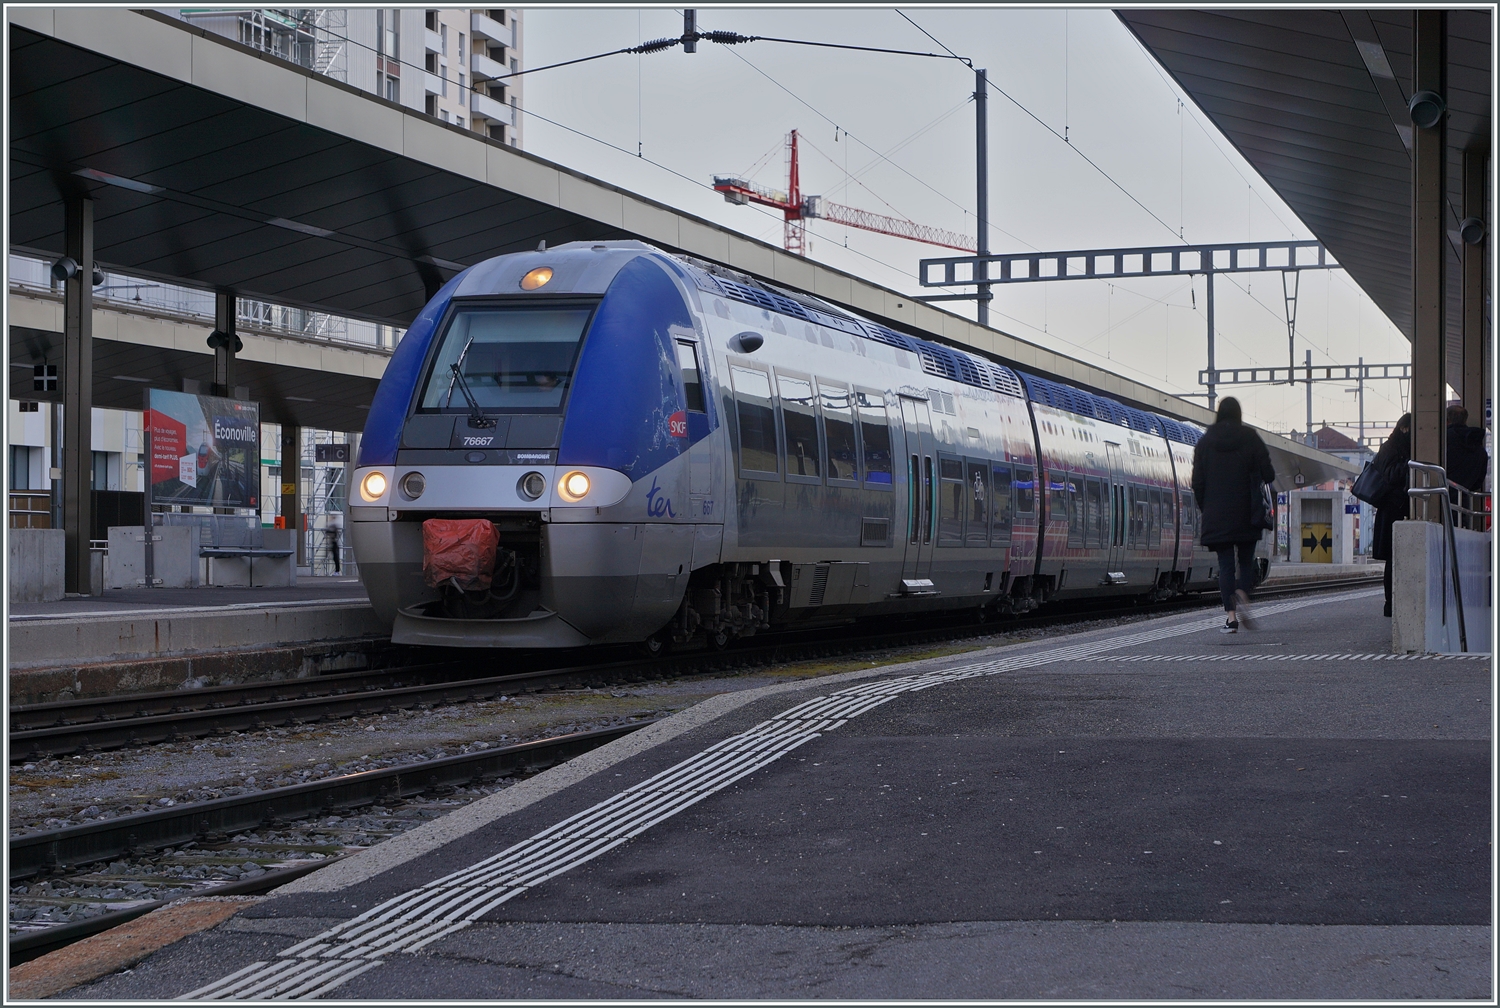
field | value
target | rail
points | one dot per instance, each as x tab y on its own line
1426	490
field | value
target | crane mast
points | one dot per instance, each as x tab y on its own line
797	208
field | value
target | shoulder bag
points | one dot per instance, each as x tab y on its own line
1373	484
1262	507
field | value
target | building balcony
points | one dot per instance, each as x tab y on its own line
483	105
487	27
432	40
432	83
485	68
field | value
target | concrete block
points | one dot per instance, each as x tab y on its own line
36	564
1424	610
175	557
1316	516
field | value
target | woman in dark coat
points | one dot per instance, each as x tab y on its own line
1393	507
1230	464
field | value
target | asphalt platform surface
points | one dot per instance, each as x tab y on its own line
1289	813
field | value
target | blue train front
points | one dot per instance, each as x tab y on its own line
547	394
606	443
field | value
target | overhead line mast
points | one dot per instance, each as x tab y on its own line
797	208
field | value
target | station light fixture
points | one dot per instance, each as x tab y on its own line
412	485
373	486
532	485
538	277
1426	109
573	487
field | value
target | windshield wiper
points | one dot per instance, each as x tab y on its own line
476	419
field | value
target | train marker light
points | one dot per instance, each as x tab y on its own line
532	485
373	486
573	487
536	278
412	485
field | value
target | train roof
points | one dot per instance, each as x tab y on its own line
942	361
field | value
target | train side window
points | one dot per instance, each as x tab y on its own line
1025	491
913	499
1076	511
1134	510
757	420
799	425
1000	506
929	487
1156	522
838	432
977	486
952	501
1096	513
1059	507
875	439
692	377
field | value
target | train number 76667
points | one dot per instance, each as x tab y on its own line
478	442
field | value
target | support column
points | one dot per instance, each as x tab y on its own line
1213	393
225	342
291	488
1474	389
1429	332
78	395
982	178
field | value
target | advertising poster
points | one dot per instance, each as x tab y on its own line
204	450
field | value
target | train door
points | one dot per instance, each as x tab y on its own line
1114	568
920	488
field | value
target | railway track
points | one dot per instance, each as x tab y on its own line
253	843
52	730
240	845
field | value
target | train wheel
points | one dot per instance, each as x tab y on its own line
657	644
718	640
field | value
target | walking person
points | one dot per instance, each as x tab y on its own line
333	526
1230	465
1394	504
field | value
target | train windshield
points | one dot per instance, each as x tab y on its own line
508	358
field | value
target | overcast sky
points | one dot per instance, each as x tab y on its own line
895	135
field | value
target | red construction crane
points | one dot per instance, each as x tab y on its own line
797	208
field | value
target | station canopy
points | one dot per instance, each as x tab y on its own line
214	166
1316	101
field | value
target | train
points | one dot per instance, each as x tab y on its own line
642	447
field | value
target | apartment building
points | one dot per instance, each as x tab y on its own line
450	63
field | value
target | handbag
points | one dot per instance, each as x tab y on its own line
1262	507
1373	484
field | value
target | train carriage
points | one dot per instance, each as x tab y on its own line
656	449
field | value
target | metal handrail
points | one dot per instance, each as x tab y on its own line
1441	489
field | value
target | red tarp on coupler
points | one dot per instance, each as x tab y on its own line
459	551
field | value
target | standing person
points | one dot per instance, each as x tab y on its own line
1467	459
1230	464
333	524
1393	507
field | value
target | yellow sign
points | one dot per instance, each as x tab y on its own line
1317	542
287	489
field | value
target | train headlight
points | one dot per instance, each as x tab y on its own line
412	485
373	486
573	487
536	278
532	485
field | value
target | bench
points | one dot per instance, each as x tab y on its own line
235	565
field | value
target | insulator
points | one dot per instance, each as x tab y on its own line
726	37
656	45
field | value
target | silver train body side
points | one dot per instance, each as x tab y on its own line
816	468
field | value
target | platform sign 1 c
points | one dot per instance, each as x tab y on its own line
331	453
204	450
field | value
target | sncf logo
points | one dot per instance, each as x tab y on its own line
677	424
